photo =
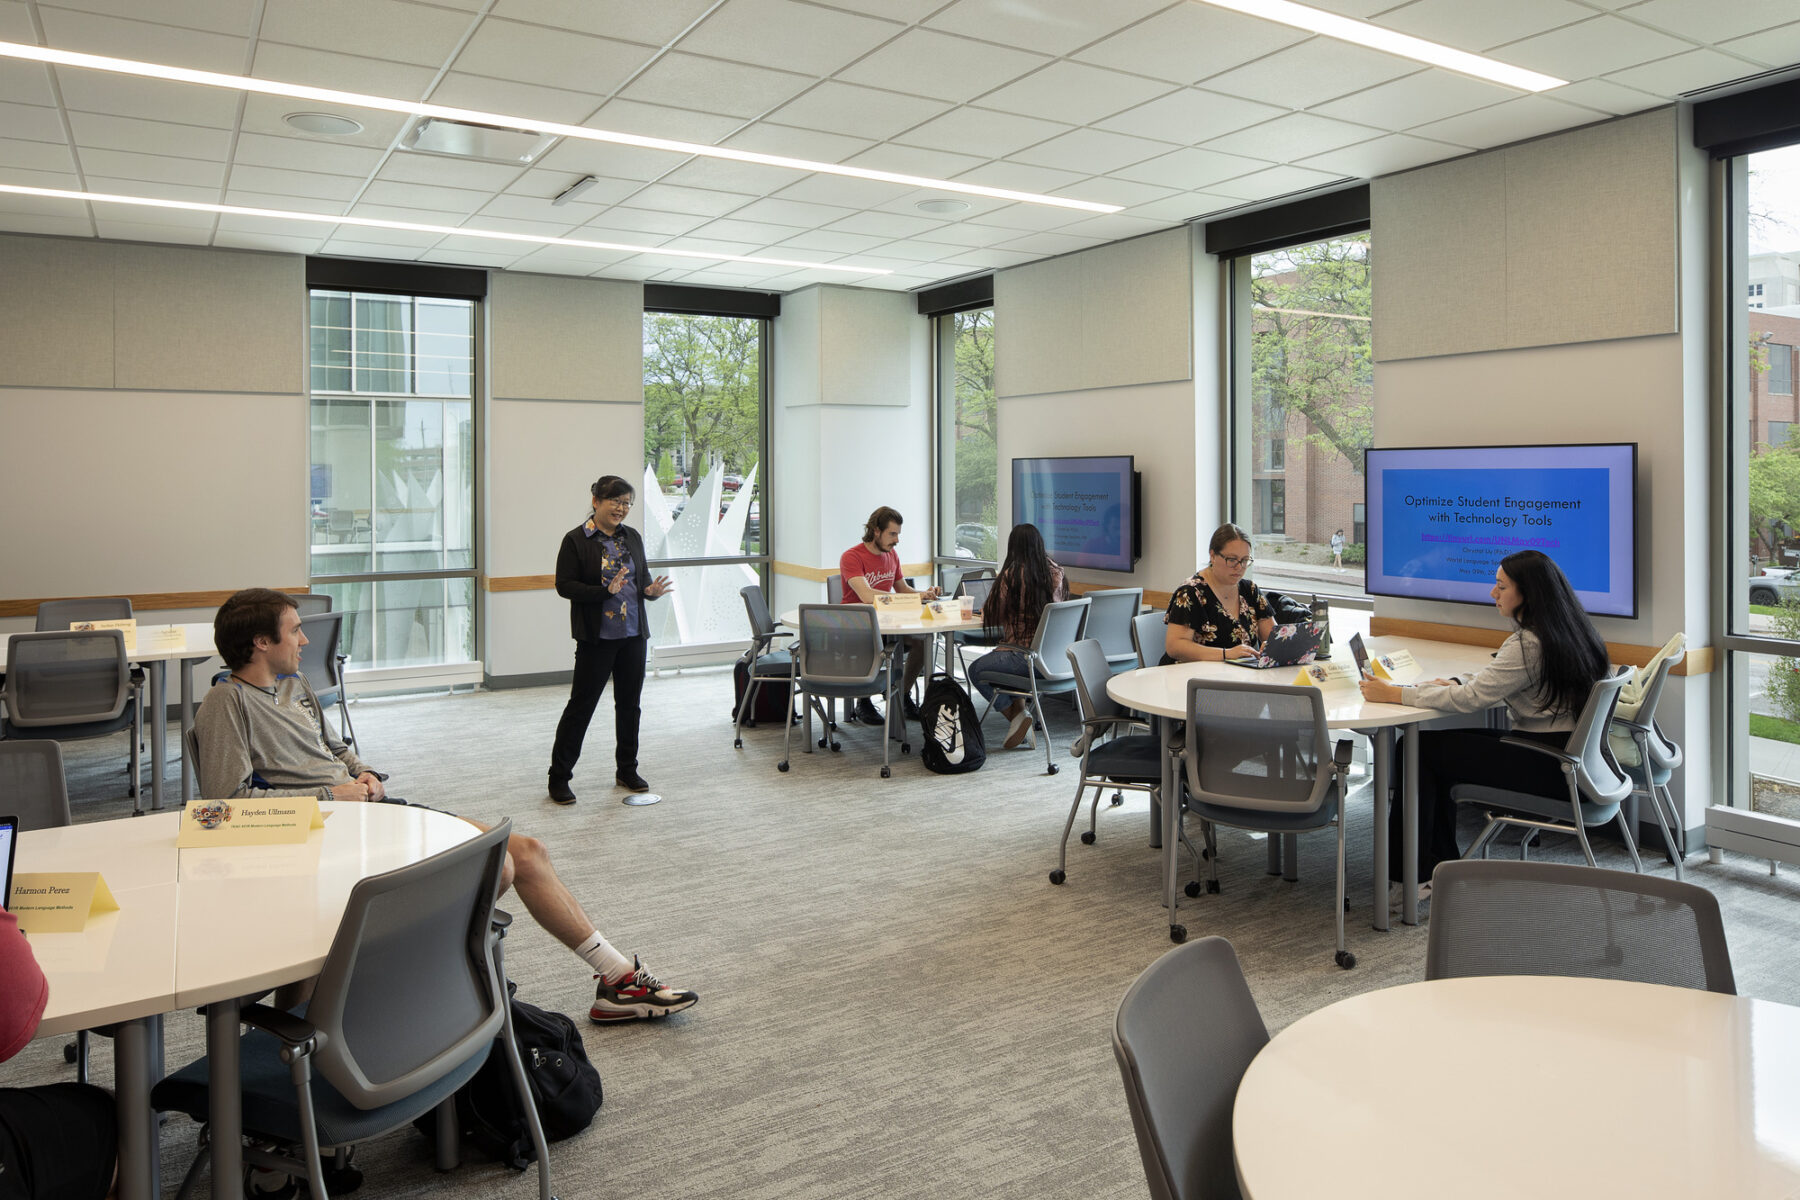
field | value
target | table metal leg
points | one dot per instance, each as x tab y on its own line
1383	756
189	770
1168	831
136	1063
159	729
1160	727
225	1103
1409	829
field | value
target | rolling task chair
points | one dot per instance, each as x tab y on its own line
1110	756
839	656
767	664
322	662
1058	628
311	602
1110	614
1148	633
72	684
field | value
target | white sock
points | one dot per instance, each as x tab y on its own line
605	960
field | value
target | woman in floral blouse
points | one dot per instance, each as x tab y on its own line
1218	614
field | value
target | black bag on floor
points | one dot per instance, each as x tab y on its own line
564	1086
953	742
772	698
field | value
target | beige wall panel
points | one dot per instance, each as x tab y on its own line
528	634
1039	307
1137	311
56	313
556	338
865	346
795	338
542	456
1439	259
209	320
1590	233
98	531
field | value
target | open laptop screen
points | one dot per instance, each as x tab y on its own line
9	844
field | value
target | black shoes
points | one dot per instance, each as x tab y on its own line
866	712
912	709
560	792
632	781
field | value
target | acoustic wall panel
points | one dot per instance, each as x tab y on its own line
1438	259
56	313
1039	305
556	338
795	335
208	320
865	342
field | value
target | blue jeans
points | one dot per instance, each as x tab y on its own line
997	662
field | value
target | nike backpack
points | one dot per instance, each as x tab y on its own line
953	742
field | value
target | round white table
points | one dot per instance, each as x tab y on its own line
1161	692
1526	1087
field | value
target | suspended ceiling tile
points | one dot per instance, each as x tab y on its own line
1028	218
1430	95
787	36
535	208
155	168
1191	115
555	58
245	197
793	212
927	63
1382	156
1479	27
351	248
25	83
859	111
66	181
1293	136
460	244
1362	10
121	95
169	235
510	98
99	131
261	150
153	189
425	195
36	156
1311	73
965	234
765	137
625	222
110	217
1093	150
1074	93
1773	48
551	228
888	225
828	241
1115	191
1190	169
31	122
1606	97
735	230
1050	243
838	191
660	120
663	197
406	167
714	85
234	239
1018	177
1710	21
727	176
907	204
983	133
1048	26
1276	181
48	206
1185	207
1684	72
1189	42
608	161
408	213
911	160
1111	227
342	72
414	33
217	16
1527	116
120	38
498	260
1597	46
705	245
263	115
1000	259
653	23
920	250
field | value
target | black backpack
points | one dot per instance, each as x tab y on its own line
564	1086
953	742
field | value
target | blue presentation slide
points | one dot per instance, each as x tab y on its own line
1083	513
1456	526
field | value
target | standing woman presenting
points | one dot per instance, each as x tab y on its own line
1218	613
602	573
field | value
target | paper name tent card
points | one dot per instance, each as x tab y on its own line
125	625
269	821
60	901
1326	675
1397	667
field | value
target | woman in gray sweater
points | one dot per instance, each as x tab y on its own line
1542	674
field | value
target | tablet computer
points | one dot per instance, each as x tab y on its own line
1360	652
9	845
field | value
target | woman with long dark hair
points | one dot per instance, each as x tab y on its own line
1028	580
1543	673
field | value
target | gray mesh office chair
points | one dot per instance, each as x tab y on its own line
1596	785
1184	1035
767	664
322	662
834	589
1110	612
1117	749
1258	756
68	684
1653	761
53	615
839	656
1527	918
410	1001
1149	632
1058	628
976	585
310	603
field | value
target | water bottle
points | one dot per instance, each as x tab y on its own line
1321	611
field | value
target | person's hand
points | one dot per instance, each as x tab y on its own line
662	585
1380	691
934	593
372	781
617	581
1240	651
353	791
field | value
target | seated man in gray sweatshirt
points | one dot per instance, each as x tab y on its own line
262	733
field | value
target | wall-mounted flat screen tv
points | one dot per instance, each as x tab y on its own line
1087	509
1441	519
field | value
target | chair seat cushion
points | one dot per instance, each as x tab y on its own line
1555	808
70	733
778	664
272	1109
1263	820
1135	758
846	691
1022	683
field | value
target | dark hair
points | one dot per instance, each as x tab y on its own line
878	522
1226	534
246	616
1573	655
611	487
1023	586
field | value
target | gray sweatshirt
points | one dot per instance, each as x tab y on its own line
277	734
1511	679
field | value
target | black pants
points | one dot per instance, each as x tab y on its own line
1448	757
57	1141
622	661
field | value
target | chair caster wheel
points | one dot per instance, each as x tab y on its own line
1053	769
1057	876
737	743
69	1052
887	772
1178	933
1344	959
782	765
285	1186
1192	889
838	746
1087	837
1212	887
906	747
1118	799
339	1182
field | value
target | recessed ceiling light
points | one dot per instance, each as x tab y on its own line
270	87
942	206
1299	16
281	214
326	124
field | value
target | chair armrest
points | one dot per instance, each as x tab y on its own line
1100	724
296	1033
1340	757
1561	756
1633	727
500	920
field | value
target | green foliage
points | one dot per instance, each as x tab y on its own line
1310	348
1774	728
703	391
1355	552
1773	475
665	470
977	454
1783	684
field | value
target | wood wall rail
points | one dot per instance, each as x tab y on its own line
140	602
1699	660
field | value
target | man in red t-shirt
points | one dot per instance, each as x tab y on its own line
871	566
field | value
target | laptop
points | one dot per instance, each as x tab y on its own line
1288	646
977	590
9	845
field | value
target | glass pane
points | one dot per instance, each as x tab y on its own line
406	622
382	345
1310	410
424	495
330	341
444	348
1771	688
342	486
968	457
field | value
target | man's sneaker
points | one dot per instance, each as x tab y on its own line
561	792
867	713
1397	894
638	996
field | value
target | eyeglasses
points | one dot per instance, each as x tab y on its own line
623	502
1230	561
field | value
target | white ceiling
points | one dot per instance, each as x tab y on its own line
1174	110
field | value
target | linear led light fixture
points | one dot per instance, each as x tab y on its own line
282	214
1346	29
269	87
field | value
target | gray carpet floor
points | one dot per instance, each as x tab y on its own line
894	999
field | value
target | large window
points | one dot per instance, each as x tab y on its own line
392	496
704	486
1304	400
967	460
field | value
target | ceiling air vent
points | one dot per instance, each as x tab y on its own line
466	139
